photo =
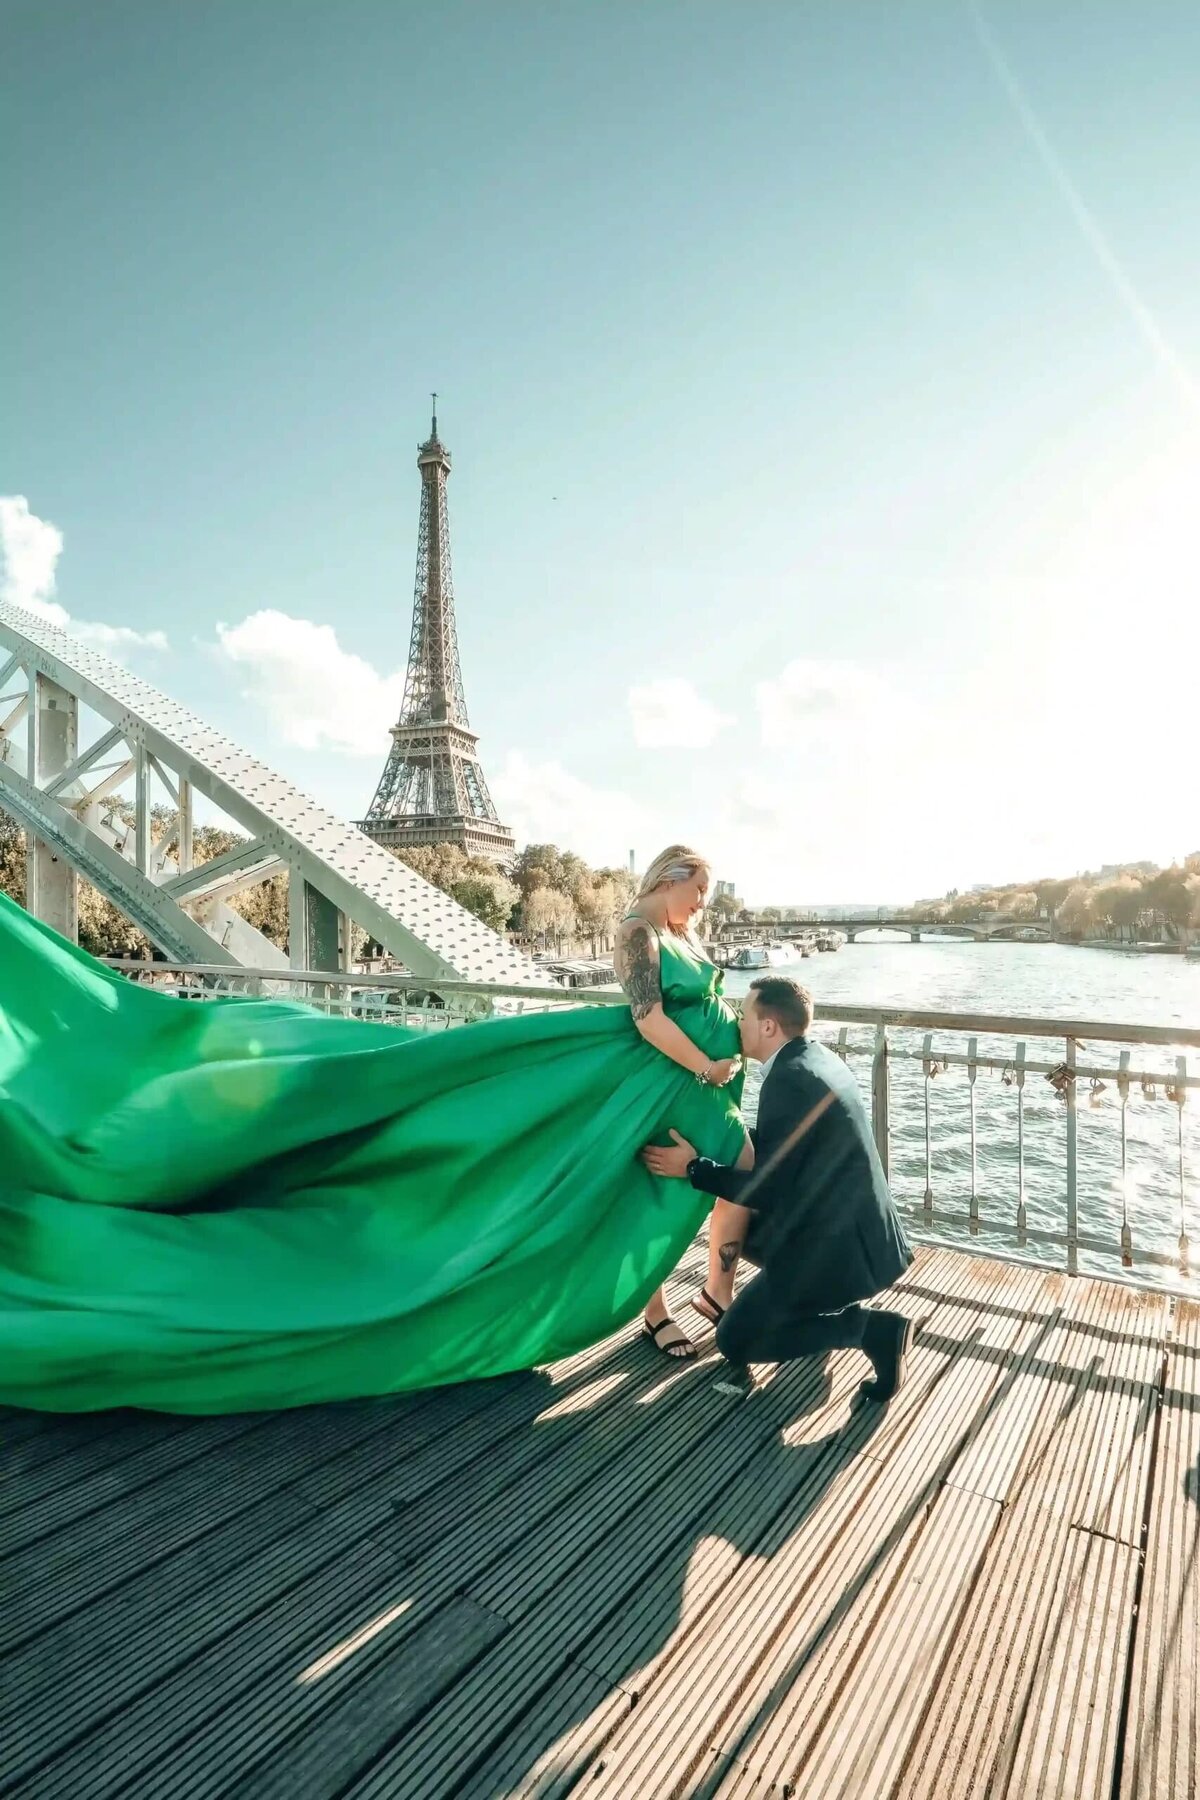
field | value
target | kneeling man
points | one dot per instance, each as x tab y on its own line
814	1213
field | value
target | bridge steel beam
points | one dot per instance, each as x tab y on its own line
166	925
338	874
51	883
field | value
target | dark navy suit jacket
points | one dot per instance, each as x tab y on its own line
825	1228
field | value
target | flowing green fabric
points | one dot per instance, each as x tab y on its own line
240	1204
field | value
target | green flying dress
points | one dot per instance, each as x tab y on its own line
241	1204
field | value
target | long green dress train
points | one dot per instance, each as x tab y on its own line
241	1204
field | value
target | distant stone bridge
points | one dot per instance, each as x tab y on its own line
983	932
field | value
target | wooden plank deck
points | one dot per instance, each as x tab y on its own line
606	1576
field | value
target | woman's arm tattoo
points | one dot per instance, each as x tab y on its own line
637	971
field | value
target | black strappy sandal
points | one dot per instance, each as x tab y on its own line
718	1311
650	1333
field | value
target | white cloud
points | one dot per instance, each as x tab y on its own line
545	804
32	547
112	639
315	694
29	551
809	695
670	715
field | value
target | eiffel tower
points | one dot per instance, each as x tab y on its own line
432	789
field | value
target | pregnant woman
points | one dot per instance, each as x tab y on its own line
675	998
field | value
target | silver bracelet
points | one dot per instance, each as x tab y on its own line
702	1076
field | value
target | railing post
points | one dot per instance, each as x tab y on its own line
879	1094
1126	1231
927	1071
1180	1097
972	1072
1072	1165
1022	1215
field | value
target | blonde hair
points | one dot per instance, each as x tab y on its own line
675	863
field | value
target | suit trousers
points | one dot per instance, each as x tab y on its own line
769	1323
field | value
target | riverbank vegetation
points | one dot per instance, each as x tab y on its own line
1138	902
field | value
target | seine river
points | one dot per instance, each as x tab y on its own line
1042	981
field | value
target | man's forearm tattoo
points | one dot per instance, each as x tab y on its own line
638	974
729	1253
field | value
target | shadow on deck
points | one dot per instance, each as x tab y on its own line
607	1574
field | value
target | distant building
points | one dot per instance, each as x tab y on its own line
725	890
1111	871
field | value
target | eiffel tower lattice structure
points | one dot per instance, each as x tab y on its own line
432	790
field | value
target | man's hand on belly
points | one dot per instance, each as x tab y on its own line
661	1159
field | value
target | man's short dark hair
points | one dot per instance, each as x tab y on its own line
785	1001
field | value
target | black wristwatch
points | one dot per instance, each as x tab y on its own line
692	1167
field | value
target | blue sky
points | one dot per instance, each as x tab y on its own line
820	379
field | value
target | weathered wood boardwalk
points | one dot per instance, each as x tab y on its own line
607	1576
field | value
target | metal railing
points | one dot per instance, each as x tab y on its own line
909	1053
1015	1192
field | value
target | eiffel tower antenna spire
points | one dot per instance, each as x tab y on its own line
432	790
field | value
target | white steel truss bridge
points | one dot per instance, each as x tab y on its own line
56	692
